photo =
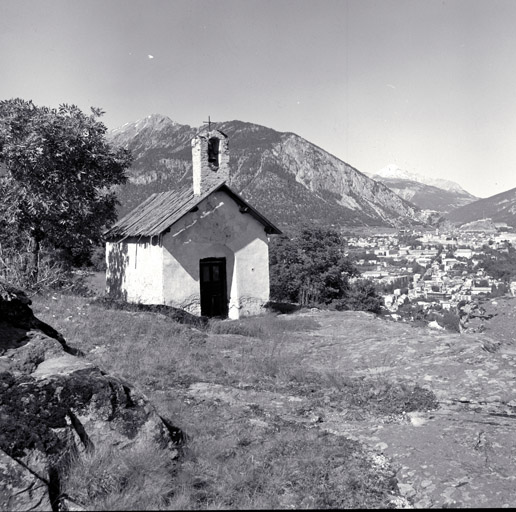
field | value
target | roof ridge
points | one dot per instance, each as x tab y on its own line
162	209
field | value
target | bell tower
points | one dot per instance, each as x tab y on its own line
210	160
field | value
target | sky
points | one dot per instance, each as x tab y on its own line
427	85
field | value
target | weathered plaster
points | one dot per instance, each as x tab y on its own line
116	263
217	229
166	271
134	271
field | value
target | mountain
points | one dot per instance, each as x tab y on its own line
393	171
499	208
427	193
286	177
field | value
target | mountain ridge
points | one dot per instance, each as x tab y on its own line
427	193
499	208
285	176
394	172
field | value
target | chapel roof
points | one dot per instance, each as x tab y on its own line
163	209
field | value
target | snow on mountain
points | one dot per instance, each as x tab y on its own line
394	172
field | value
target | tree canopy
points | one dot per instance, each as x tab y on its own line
311	269
57	174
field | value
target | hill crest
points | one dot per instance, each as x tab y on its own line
285	176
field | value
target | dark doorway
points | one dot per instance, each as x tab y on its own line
213	287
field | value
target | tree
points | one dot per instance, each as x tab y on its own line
361	296
310	268
56	188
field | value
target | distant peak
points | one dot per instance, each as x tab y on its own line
156	121
392	171
159	118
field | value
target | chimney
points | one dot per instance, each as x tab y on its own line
210	160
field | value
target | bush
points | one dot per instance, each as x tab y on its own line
361	296
53	272
310	268
450	321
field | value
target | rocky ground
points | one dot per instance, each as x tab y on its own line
56	406
462	454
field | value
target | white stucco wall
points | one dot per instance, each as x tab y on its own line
142	278
217	230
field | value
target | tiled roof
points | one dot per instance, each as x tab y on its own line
162	210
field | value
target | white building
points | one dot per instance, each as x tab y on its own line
203	249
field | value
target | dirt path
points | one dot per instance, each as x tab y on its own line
463	454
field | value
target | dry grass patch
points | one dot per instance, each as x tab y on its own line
263	326
236	456
131	479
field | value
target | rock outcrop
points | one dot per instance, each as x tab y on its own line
55	405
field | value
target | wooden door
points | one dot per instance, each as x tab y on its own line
214	301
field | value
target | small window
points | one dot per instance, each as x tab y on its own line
213	151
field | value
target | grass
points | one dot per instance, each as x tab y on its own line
108	479
238	455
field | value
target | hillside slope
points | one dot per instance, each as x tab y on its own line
286	177
499	208
426	193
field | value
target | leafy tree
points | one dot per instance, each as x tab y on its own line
310	268
497	264
361	296
58	170
417	268
409	239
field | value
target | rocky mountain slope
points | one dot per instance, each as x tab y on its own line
426	193
499	208
286	177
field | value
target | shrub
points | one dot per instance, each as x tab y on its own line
309	268
361	296
450	321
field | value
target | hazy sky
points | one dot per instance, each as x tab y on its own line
429	85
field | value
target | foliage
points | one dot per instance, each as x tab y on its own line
497	264
420	315
397	283
500	290
378	395
360	296
409	239
53	273
310	268
450	321
58	170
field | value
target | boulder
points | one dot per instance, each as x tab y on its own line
54	405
